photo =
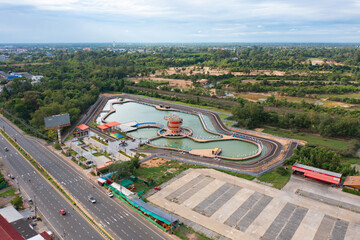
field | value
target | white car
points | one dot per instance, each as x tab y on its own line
92	199
110	194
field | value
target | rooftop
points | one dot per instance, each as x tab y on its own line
8	232
10	214
352	181
314	169
82	127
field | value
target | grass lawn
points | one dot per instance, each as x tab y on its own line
189	234
275	178
227	123
350	160
72	152
8	193
98	154
240	175
310	138
160	174
222	115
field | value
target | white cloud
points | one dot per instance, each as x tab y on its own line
180	20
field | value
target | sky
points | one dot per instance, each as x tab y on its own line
73	21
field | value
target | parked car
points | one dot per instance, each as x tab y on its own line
92	199
89	163
157	188
62	211
110	194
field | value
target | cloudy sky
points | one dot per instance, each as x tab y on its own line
61	21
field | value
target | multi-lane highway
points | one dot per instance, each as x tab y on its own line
119	221
48	200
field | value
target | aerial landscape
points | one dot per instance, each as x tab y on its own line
191	120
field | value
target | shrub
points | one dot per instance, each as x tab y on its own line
351	191
282	171
57	146
17	202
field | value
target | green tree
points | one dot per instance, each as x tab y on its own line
17	202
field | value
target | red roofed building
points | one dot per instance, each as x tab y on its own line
46	236
108	126
8	232
318	174
81	131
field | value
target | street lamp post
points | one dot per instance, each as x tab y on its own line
17	182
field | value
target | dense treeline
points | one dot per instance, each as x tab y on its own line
322	158
251	115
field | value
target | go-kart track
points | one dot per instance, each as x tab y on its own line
277	149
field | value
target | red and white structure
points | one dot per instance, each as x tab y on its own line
174	124
318	174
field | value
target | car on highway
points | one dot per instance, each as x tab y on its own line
6	149
110	194
62	211
92	199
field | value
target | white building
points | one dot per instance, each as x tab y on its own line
36	79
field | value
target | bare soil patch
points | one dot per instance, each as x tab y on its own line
177	83
23	64
155	162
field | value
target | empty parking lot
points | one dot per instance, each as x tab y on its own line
240	209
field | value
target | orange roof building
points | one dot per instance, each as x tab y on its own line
108	125
112	124
82	127
352	182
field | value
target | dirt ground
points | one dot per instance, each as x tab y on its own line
23	64
155	162
177	83
219	71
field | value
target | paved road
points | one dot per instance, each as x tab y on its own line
117	220
48	200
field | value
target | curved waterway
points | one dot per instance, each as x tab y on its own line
132	111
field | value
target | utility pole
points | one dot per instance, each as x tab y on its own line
35	205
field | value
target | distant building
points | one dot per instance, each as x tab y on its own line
20	74
3	75
36	79
3	58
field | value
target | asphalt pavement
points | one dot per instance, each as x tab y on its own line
47	199
117	219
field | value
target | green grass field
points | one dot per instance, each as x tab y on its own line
8	193
276	179
189	234
310	138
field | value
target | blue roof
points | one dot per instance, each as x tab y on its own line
161	215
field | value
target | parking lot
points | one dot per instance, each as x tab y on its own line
240	209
